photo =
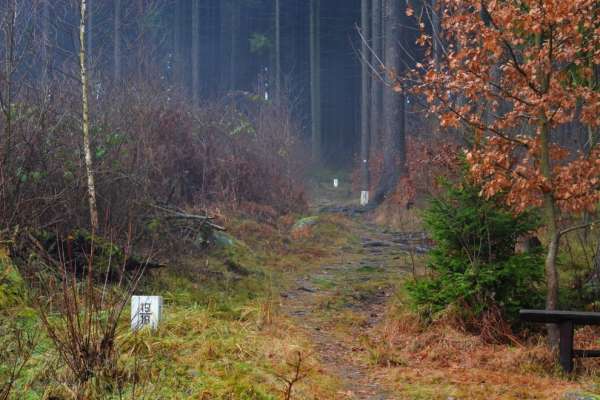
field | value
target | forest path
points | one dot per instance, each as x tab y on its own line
337	303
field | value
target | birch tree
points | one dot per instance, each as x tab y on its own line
87	146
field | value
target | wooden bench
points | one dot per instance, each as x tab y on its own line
566	320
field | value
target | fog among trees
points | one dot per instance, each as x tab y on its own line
299	199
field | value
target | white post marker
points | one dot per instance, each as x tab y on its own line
364	198
146	311
336	182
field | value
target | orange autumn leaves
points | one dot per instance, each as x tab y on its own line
509	68
504	167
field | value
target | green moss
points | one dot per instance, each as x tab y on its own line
12	286
221	337
323	283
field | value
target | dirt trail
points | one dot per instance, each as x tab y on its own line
339	302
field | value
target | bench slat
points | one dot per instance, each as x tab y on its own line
586	353
547	316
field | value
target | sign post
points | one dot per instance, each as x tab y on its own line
146	311
364	198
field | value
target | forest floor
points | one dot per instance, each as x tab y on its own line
316	300
339	302
351	310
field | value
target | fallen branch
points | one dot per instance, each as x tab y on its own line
178	214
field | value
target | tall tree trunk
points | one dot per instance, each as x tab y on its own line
195	52
551	216
550	210
394	160
277	49
141	45
117	67
177	51
89	33
45	41
9	70
225	8
376	85
315	78
364	103
87	147
592	141
233	55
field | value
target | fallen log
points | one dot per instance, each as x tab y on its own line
205	220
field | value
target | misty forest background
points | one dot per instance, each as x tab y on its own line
187	148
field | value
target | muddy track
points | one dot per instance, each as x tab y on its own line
338	303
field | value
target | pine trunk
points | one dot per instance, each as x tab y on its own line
394	158
277	49
117	67
315	79
376	85
45	39
195	52
364	98
233	55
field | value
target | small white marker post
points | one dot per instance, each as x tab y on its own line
146	311
364	198
336	182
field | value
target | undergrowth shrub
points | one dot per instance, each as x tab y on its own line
150	147
81	322
474	268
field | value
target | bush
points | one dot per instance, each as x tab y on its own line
150	147
474	264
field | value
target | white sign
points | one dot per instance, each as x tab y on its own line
336	182
364	197
146	311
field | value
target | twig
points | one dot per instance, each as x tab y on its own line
578	227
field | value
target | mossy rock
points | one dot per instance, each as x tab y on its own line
235	254
224	240
12	286
303	227
305	222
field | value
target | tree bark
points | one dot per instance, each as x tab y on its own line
277	49
376	85
89	33
224	45
117	67
393	107
9	70
315	79
553	233
364	99
45	40
550	210
195	52
233	55
87	147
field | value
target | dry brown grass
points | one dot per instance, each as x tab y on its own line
399	218
440	360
